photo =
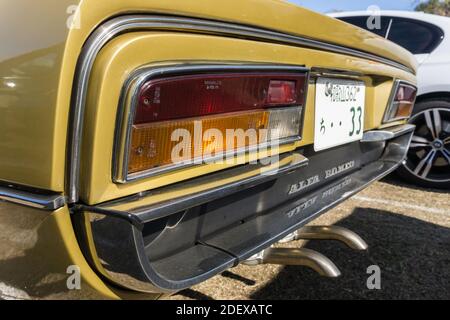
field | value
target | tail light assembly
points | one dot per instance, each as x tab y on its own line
182	116
401	103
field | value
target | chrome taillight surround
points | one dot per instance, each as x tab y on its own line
130	99
390	114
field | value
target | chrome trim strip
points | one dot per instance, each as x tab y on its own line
327	72
129	102
390	105
33	200
160	210
116	26
387	134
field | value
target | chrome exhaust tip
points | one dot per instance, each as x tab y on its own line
346	236
296	257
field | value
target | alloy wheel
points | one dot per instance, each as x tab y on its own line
429	154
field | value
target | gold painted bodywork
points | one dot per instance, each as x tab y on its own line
36	250
131	51
36	81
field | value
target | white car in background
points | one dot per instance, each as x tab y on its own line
428	37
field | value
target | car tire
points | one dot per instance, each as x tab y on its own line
428	160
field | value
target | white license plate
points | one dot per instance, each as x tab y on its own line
339	115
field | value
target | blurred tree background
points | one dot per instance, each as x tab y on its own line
440	7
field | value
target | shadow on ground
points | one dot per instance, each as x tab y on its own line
414	257
396	180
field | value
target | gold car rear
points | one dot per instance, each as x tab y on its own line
185	139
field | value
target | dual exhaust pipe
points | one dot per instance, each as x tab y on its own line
306	257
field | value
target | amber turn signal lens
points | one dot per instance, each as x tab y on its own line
187	141
404	110
172	142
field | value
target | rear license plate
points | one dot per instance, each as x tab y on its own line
339	116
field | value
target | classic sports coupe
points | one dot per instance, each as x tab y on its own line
148	145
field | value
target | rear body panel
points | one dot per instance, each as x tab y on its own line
135	50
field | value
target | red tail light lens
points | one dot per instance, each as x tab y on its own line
405	93
200	95
402	103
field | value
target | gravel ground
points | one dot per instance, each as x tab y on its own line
407	229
